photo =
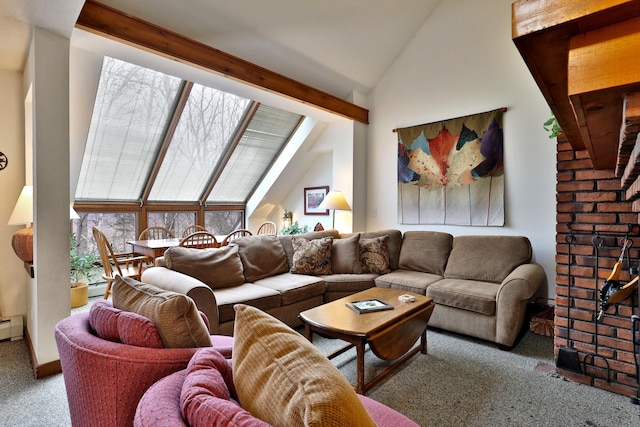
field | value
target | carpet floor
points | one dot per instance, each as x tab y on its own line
460	382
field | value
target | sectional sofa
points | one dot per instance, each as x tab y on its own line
480	284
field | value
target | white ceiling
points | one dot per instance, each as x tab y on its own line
338	46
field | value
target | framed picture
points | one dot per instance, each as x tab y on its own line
313	196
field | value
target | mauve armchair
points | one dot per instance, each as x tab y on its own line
105	380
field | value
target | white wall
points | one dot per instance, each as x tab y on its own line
13	276
463	62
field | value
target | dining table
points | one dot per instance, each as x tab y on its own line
153	248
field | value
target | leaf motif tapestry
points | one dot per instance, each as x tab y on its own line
452	172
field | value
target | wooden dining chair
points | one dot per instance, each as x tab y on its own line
124	264
192	229
156	232
200	240
235	235
268	227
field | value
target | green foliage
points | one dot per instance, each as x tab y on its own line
295	228
81	265
553	126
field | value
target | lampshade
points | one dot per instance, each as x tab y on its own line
23	211
334	200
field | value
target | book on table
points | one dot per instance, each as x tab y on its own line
368	305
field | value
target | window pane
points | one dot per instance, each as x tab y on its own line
118	227
203	134
223	222
173	221
265	136
129	116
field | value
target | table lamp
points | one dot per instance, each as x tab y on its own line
22	241
334	200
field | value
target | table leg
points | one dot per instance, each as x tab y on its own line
360	346
308	333
423	342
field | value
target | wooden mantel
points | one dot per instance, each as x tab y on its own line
585	57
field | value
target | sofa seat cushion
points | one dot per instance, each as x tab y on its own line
217	267
293	287
470	295
349	282
261	297
262	256
407	280
283	379
487	258
426	251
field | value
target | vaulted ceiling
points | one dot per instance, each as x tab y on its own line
338	46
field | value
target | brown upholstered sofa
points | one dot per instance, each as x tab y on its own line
481	284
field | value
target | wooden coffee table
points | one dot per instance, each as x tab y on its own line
391	334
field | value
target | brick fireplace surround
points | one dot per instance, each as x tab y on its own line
590	204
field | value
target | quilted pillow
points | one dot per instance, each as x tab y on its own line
137	330
207	391
103	318
175	315
217	267
374	255
311	256
345	255
281	378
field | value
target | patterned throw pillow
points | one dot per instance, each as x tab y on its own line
374	255
283	379
311	256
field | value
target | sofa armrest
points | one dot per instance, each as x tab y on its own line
200	292
511	301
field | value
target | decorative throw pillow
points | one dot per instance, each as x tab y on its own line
311	256
281	378
103	318
217	267
207	391
262	256
345	255
137	330
175	315
374	255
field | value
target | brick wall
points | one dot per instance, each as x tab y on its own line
593	215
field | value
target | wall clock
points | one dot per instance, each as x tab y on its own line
4	161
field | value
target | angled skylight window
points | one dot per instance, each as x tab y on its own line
265	136
204	132
131	110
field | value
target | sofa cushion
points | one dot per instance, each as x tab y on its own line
425	251
470	295
293	287
311	256
351	283
175	315
103	318
217	267
261	297
139	331
207	393
262	256
287	245
345	255
281	378
486	258
407	280
374	255
393	244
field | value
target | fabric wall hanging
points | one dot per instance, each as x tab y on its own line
452	172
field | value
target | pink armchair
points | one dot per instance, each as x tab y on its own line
106	379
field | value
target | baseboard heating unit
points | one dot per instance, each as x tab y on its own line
11	327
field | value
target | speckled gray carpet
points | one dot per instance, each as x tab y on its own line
461	382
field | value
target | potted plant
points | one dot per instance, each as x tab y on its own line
295	228
81	267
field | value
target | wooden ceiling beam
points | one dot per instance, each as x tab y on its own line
114	24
